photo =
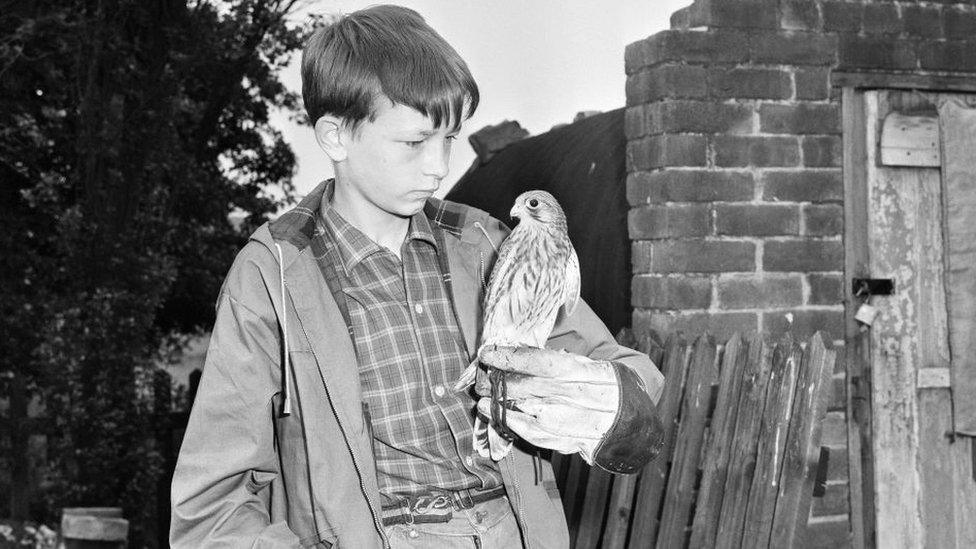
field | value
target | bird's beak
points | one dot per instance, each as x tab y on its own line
514	214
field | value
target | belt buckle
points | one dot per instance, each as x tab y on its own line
462	499
407	512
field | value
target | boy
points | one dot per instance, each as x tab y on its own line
326	415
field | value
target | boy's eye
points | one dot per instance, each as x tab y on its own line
452	137
414	144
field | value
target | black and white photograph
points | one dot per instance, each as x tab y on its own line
487	274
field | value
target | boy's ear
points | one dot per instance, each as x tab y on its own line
331	136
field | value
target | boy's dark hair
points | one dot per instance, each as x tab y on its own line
385	50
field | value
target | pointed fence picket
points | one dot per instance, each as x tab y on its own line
741	453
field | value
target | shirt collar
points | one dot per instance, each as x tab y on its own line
353	245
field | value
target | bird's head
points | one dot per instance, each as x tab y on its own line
538	206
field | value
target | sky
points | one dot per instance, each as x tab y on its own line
538	62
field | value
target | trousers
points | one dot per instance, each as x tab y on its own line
487	525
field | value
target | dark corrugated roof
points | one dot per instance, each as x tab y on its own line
583	166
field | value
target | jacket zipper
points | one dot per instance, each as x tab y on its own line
355	461
519	509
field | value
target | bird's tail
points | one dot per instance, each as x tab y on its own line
498	446
490	436
467	376
487	441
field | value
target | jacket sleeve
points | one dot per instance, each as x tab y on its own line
221	486
636	435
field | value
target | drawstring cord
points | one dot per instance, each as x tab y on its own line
485	232
286	390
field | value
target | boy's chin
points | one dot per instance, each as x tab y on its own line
410	207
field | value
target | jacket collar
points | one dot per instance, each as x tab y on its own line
298	225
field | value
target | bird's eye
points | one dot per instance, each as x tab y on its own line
533	203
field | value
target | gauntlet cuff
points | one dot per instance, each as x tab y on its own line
637	434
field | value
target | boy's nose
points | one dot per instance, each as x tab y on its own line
437	160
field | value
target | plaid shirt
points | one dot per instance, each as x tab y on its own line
410	353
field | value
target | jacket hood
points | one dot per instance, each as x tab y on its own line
297	226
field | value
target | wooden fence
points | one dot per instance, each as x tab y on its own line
742	457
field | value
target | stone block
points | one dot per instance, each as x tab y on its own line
842	16
959	23
671	292
800	15
759	151
683	116
955	55
666	81
673	220
922	21
693	324
749	83
693	256
660	151
803	255
689	186
826	289
812	83
723	14
803	323
757	220
804	186
687	46
793	48
822	151
800	118
857	52
881	18
823	220
759	291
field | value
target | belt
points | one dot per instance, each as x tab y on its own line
436	506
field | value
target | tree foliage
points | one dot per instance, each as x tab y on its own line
129	131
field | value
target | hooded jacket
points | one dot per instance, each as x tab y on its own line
277	452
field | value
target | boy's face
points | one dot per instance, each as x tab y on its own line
397	161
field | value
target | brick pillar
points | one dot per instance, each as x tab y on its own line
734	167
734	155
734	151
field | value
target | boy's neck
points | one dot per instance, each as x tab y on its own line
386	229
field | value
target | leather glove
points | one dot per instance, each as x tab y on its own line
557	400
570	403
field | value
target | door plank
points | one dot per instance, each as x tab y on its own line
813	391
742	464
680	494
893	200
857	341
654	477
959	202
772	443
619	511
719	447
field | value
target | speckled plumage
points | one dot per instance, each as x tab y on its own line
536	274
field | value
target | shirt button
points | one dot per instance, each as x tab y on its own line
439	390
419	308
469	460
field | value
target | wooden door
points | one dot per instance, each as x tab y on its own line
918	486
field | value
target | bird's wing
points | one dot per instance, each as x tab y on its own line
572	283
506	303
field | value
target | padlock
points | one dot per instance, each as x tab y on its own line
866	314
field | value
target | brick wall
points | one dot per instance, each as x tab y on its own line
734	153
735	167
